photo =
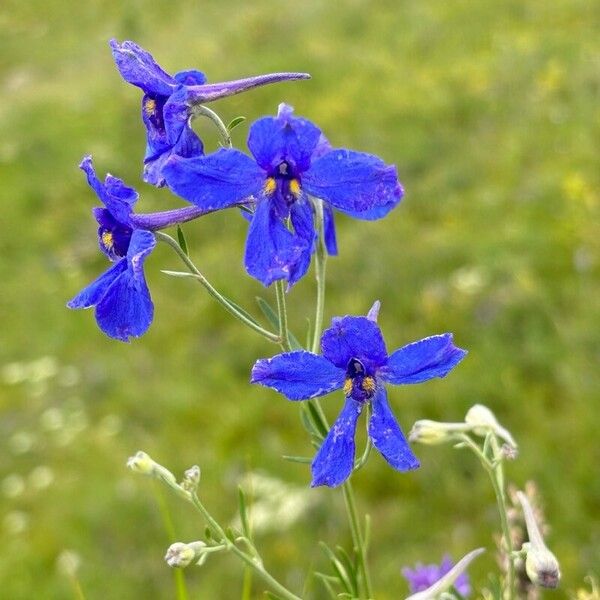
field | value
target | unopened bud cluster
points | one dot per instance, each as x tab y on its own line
180	555
479	421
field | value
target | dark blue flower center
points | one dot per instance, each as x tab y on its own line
284	184
113	236
359	384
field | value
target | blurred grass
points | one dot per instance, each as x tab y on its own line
491	112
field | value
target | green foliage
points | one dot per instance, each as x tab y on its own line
490	112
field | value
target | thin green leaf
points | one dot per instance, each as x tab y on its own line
181	239
326	581
314	414
269	313
235	122
350	567
179	274
242	310
297	459
272	596
338	567
273	319
243	513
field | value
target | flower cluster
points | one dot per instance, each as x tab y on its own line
293	172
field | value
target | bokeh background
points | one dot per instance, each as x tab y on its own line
491	112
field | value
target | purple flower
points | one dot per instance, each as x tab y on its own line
355	359
168	100
424	576
291	162
120	295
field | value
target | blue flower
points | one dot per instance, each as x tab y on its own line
355	359
124	308
423	577
292	161
168	100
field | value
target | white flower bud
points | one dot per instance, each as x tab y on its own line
541	565
482	420
181	555
191	479
143	464
435	432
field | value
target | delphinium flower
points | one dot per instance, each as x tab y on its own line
120	295
422	576
291	161
168	102
355	359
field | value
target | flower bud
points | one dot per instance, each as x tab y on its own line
191	479
142	463
541	565
181	555
482	420
434	432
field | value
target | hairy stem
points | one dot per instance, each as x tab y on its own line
284	335
320	274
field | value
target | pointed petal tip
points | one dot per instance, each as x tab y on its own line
373	313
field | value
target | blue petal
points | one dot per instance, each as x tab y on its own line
298	375
387	436
116	196
139	68
302	220
430	357
335	459
190	77
189	145
176	114
272	251
93	293
329	230
273	140
353	181
126	309
354	337
214	181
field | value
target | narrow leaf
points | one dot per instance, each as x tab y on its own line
179	274
181	239
272	317
338	567
243	513
242	310
297	459
326	581
316	418
269	313
235	122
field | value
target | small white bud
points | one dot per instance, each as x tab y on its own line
191	479
181	555
541	565
435	432
143	464
482	420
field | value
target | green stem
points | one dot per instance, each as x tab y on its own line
495	471
204	111
284	335
163	237
253	563
357	536
320	274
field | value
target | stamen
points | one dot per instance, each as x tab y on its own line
295	187
108	240
348	386
368	385
150	106
270	186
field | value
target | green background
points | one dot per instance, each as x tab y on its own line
491	112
